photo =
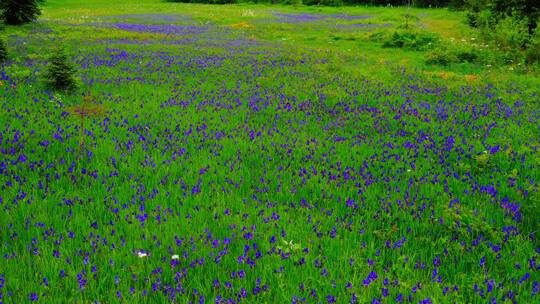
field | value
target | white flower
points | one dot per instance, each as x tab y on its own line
175	257
141	254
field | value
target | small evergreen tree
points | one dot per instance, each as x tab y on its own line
3	51
60	72
17	12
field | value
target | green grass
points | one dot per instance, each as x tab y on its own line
357	158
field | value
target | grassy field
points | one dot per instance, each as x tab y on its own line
265	154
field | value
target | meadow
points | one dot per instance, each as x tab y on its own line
266	154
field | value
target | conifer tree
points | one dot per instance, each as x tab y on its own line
3	51
17	12
60	72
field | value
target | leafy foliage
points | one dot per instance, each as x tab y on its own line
510	33
410	39
533	49
416	3
205	1
486	13
467	56
509	25
441	56
16	12
446	56
323	2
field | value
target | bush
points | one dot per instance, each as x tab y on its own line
526	10
532	55
497	10
466	56
446	56
508	32
3	51
60	72
441	56
321	2
412	40
485	20
205	1
511	33
17	12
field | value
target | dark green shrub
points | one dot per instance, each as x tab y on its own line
288	2
205	1
441	56
509	57
3	51
466	56
331	2
457	4
412	40
17	12
482	20
532	54
470	18
320	2
526	10
60	72
446	56
510	33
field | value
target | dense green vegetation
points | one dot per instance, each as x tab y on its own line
416	3
17	12
60	72
255	153
511	25
3	51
